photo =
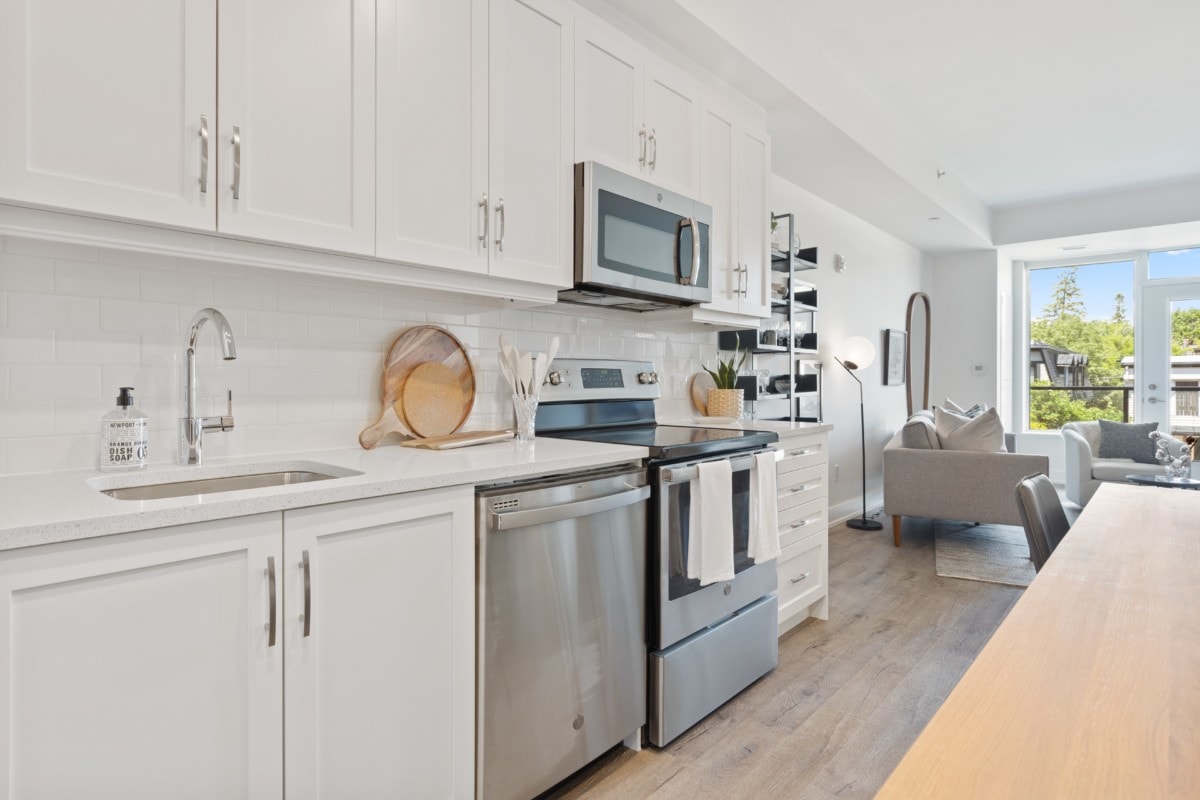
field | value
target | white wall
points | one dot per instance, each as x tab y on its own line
869	297
78	322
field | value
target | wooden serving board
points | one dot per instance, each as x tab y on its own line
700	384
414	347
463	439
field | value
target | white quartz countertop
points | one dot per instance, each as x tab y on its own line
54	507
784	429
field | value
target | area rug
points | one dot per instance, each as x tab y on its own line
989	553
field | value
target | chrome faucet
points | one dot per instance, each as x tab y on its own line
191	427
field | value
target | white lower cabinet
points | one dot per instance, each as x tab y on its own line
141	665
803	503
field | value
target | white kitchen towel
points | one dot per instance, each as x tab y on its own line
710	530
764	509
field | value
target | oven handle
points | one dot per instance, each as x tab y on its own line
509	520
683	474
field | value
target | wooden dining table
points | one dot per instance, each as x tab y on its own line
1090	688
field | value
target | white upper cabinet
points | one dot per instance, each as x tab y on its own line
433	133
110	108
296	136
530	164
735	167
632	111
475	166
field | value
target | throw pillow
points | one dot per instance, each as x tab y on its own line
984	433
972	412
1127	440
918	434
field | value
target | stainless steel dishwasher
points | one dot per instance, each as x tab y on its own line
562	625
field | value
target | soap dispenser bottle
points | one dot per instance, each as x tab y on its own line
123	435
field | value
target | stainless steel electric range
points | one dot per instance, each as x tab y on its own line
706	643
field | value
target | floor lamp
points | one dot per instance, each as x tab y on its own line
858	353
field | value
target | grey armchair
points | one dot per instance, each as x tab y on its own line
1085	470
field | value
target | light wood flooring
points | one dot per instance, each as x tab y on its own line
848	698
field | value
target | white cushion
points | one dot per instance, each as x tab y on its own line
1090	431
1115	469
984	433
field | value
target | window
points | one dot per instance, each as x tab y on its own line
1080	343
1175	263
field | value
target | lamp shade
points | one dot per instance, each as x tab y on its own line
857	352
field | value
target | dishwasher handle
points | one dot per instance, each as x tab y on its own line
510	520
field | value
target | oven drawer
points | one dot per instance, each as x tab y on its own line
801	486
802	573
801	452
797	524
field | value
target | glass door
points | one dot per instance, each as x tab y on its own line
1167	377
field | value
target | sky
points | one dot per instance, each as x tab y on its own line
1101	282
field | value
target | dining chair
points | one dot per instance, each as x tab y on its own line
1042	515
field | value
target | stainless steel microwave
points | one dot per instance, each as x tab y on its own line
638	247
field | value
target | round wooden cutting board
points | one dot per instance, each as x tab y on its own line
434	400
414	347
700	384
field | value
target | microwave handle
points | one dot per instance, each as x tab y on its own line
686	280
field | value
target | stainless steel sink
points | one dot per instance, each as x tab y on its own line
231	483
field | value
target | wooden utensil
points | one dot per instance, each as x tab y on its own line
434	401
700	384
413	347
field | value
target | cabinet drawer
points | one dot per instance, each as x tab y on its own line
802	573
798	523
800	453
801	486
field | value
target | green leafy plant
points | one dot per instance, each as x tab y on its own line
725	376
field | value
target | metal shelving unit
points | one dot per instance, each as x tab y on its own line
797	300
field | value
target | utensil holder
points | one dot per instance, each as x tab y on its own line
526	409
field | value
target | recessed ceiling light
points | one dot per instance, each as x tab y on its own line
1073	247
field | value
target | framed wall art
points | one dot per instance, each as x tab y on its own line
895	347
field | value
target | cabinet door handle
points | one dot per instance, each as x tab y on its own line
237	162
271	601
483	206
642	136
304	565
803	576
500	224
203	154
654	152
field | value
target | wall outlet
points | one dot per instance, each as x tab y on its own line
837	472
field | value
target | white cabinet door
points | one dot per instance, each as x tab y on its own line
754	167
718	184
138	666
380	688
609	86
102	107
433	133
673	119
296	141
530	143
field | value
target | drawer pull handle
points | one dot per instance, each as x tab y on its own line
808	451
802	577
800	524
804	487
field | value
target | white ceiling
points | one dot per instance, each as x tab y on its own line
1029	100
1021	102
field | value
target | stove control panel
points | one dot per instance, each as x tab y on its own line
576	379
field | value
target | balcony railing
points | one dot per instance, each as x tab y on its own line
1185	400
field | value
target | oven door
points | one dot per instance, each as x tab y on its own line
634	236
682	605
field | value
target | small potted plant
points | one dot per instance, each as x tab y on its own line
726	400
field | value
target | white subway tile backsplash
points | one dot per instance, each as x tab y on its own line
96	347
94	279
20	273
51	382
138	316
52	311
26	346
76	324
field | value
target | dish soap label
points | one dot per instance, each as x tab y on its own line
124	434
